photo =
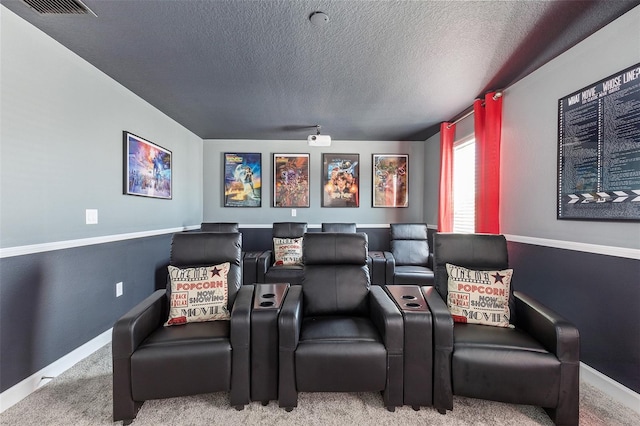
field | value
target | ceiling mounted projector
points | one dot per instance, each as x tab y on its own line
318	139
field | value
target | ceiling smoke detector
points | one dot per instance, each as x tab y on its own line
319	18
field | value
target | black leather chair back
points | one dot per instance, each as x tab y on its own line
339	227
288	230
336	277
472	251
191	249
409	243
219	227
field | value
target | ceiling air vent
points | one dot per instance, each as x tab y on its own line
59	7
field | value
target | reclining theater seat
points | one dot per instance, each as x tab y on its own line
534	361
219	227
152	361
410	261
339	227
337	332
270	272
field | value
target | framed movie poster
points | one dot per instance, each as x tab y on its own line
243	179
599	150
290	180
340	180
390	180
147	168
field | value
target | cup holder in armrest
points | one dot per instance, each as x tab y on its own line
407	297
269	296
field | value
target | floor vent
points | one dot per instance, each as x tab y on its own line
59	7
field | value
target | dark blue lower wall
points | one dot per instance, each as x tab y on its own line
53	302
600	294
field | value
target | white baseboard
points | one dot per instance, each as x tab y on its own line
610	387
21	390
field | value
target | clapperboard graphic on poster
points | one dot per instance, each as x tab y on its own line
599	150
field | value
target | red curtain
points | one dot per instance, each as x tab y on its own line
445	204
488	126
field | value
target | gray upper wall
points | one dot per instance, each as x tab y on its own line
61	147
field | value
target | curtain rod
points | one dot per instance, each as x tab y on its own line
494	97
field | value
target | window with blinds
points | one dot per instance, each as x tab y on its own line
464	185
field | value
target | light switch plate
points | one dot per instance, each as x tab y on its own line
92	216
119	289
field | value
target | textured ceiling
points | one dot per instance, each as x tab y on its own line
378	70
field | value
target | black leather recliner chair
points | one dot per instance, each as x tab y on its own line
339	227
270	273
536	362
337	332
219	227
151	361
411	261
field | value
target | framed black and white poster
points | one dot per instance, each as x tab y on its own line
599	150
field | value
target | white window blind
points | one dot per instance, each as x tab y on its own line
464	185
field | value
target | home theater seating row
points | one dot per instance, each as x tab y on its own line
326	327
408	260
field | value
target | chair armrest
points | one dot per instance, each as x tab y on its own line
388	319
556	333
290	319
289	325
442	349
390	266
390	323
241	317
134	326
265	260
240	337
442	320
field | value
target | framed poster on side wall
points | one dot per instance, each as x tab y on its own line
243	179
290	180
340	180
147	168
390	180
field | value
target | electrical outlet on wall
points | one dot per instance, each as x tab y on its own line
119	289
293	212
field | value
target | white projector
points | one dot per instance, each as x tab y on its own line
319	140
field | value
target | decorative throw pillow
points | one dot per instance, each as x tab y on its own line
198	294
479	297
287	251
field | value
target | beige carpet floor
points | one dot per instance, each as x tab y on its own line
83	396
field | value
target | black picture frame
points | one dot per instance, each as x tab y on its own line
390	180
599	150
340	180
242	179
147	168
291	180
